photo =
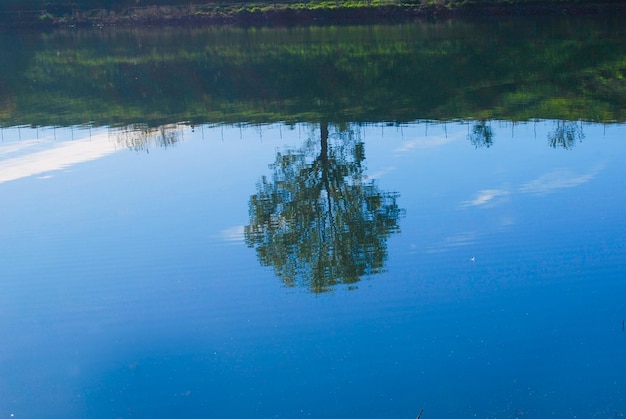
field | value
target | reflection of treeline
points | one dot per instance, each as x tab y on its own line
54	5
569	70
134	13
486	6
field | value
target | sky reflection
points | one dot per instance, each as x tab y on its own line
128	285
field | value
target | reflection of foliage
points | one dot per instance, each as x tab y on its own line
6	104
318	221
572	69
139	138
565	135
481	135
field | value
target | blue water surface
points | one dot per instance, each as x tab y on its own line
127	289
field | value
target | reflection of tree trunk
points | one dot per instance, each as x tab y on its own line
326	168
324	137
325	177
324	158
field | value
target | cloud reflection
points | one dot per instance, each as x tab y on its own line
544	184
486	196
379	174
557	179
54	156
429	142
458	240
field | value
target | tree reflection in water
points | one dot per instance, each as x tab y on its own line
318	220
481	135
139	137
565	134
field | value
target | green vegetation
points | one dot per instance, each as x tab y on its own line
45	13
566	69
318	221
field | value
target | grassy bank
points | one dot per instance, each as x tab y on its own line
285	12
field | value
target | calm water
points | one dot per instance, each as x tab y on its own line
273	265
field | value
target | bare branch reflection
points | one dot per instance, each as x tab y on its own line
141	137
565	134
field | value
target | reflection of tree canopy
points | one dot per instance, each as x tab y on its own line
565	134
481	135
318	220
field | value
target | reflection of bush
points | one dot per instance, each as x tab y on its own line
609	82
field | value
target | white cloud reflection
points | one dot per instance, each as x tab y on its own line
30	158
486	196
557	179
544	184
458	240
379	174
429	142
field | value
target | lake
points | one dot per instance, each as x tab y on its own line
361	221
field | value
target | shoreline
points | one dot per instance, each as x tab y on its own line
298	14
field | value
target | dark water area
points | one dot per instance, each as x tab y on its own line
369	221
